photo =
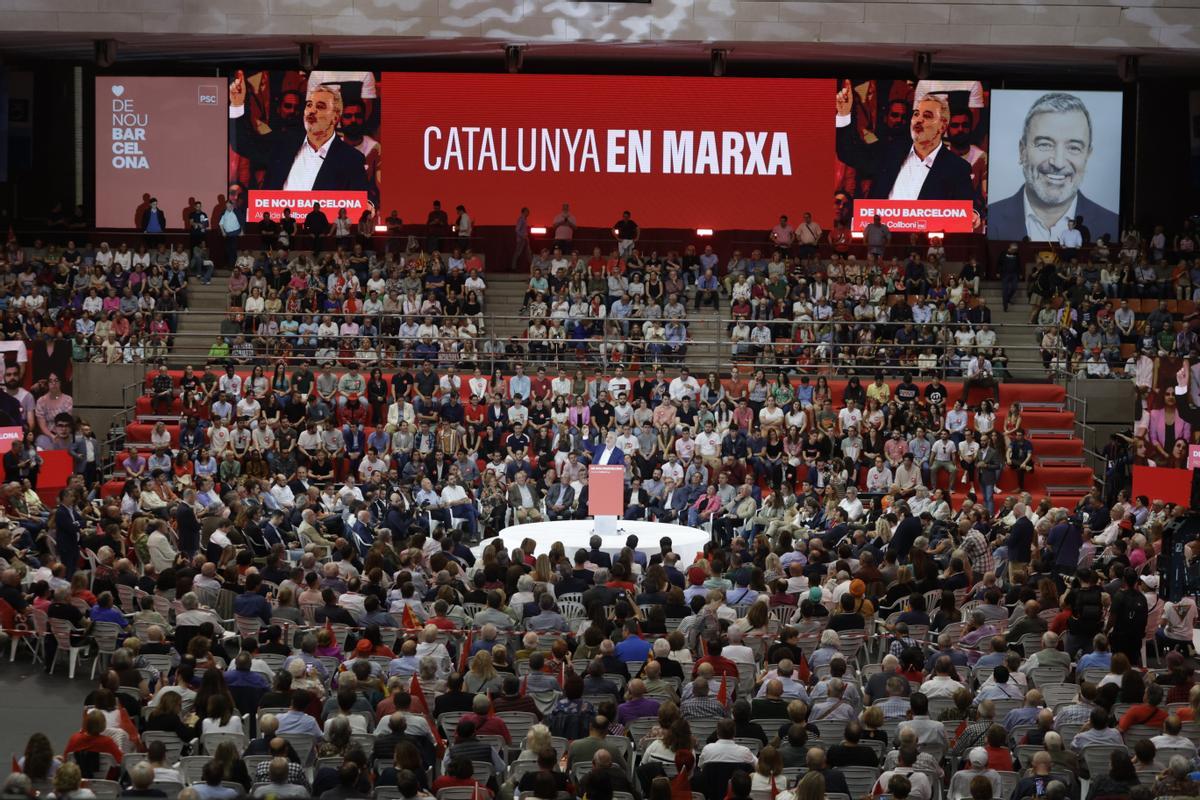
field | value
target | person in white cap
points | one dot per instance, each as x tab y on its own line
1150	582
960	784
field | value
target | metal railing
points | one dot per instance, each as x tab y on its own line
1077	404
826	348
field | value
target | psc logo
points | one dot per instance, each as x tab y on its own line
206	95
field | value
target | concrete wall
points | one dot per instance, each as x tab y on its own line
101	385
1151	25
1108	402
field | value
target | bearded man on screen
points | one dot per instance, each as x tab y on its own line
301	159
1055	146
918	167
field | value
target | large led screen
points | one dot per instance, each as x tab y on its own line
1056	156
722	153
160	139
913	153
299	138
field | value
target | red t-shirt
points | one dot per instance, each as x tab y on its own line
1142	714
721	666
85	742
999	758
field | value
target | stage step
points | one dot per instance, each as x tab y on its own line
1059	461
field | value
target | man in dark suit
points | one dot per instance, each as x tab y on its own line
299	484
674	501
920	168
312	158
596	555
608	452
560	498
188	525
66	527
1055	146
1019	541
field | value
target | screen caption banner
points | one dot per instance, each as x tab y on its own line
301	203
916	216
9	437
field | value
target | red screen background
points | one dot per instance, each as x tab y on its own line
804	108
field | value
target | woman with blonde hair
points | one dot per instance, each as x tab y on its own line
811	787
482	676
1192	712
773	568
543	575
537	741
67	782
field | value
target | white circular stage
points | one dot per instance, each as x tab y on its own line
574	535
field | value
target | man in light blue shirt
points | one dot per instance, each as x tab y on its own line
1099	658
407	663
519	383
307	654
296	720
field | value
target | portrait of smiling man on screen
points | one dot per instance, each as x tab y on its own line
1054	149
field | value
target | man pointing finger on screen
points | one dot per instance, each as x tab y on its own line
311	158
919	168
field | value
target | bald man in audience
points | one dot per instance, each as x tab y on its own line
655	685
604	764
834	708
835	782
770	704
638	705
785	673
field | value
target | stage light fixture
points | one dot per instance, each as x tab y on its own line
106	53
514	57
922	64
310	55
718	61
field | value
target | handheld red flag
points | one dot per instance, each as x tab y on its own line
419	702
408	619
723	693
465	656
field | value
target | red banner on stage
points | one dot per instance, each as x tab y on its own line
916	216
302	202
606	490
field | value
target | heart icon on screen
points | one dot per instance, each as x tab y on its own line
118	90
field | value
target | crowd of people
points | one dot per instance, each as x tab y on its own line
286	574
975	660
93	303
